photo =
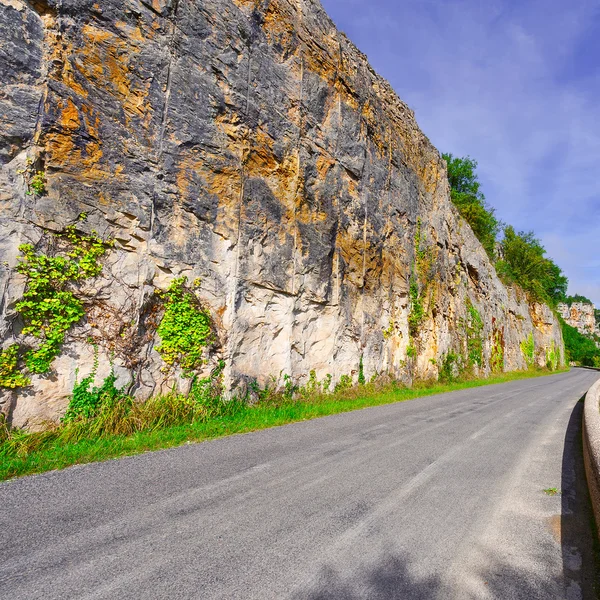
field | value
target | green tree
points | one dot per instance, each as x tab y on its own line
577	298
523	261
467	197
579	348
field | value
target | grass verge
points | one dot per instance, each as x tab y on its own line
173	421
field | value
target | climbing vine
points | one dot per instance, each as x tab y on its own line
10	376
552	357
451	367
185	329
420	281
50	305
474	335
528	350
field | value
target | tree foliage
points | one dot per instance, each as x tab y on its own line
524	262
577	298
467	197
579	348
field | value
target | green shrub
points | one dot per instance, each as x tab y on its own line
450	367
185	329
37	183
361	372
86	402
344	383
525	263
420	281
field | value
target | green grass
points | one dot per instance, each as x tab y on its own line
173	421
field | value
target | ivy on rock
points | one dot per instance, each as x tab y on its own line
50	305
185	329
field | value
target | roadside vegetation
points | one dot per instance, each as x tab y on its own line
580	349
117	425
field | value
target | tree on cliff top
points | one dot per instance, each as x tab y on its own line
577	298
470	201
524	262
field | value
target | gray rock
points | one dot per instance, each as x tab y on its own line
253	147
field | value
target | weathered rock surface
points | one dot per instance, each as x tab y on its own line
248	143
580	315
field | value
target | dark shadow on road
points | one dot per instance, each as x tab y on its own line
580	551
388	579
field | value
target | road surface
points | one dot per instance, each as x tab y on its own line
441	497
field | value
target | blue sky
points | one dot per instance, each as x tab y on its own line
514	84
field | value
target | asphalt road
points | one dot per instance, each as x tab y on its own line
440	497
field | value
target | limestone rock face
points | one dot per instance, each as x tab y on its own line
249	144
580	315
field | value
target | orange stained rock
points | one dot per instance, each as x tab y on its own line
248	4
105	60
61	146
278	28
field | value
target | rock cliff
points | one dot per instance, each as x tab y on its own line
580	315
249	144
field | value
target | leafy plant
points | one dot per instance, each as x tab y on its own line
344	383
552	357
361	372
528	350
577	298
289	387
417	312
37	183
474	335
35	180
450	367
525	263
185	329
10	376
387	333
420	281
579	348
85	401
50	305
